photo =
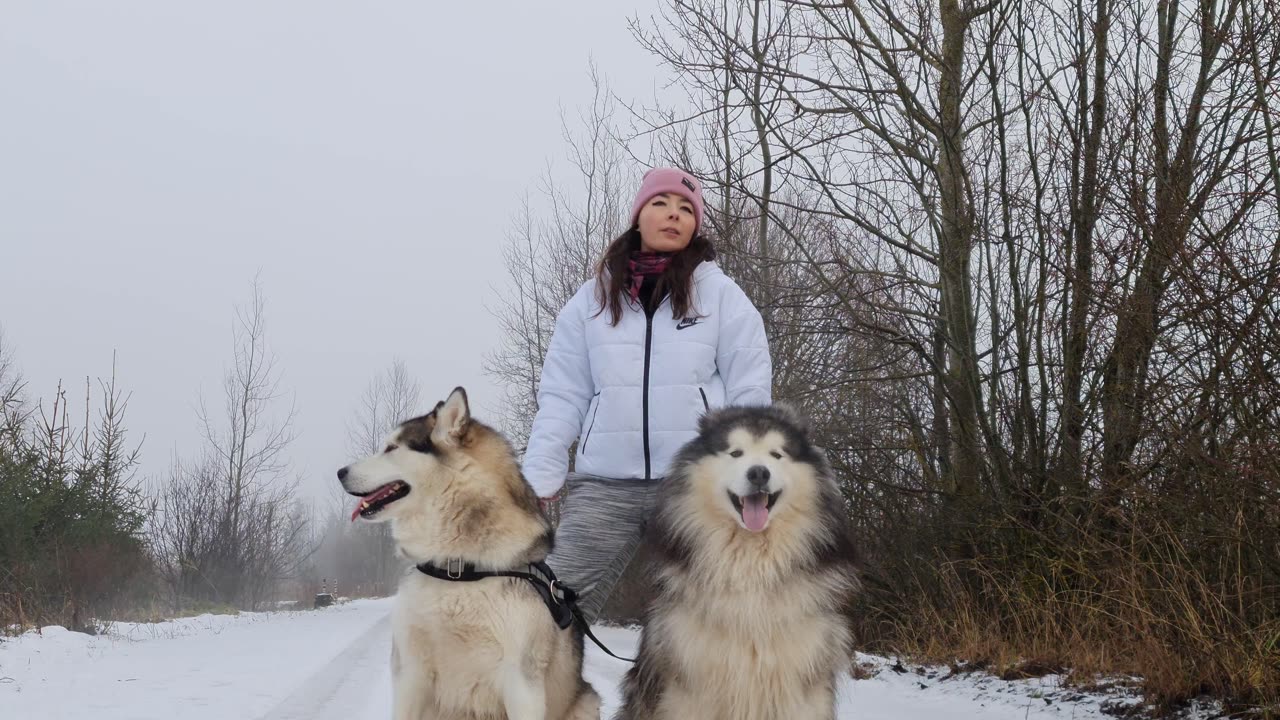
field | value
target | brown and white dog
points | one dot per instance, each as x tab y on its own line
452	489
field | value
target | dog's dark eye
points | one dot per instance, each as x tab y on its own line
736	453
776	455
389	448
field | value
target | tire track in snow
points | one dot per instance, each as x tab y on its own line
356	683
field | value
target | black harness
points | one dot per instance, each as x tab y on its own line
559	598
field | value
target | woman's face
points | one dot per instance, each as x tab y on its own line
666	223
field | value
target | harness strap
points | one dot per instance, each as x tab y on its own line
559	598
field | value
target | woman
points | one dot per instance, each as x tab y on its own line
659	336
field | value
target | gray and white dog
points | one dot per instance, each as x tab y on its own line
755	570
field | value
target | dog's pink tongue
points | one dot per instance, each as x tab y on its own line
368	500
755	511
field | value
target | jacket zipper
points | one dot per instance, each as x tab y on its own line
593	423
706	406
648	346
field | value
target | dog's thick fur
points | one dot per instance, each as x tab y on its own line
482	650
746	625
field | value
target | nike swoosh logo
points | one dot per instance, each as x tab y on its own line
687	323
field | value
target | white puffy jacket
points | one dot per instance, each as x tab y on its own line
633	393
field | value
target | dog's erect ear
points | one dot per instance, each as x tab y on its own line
452	418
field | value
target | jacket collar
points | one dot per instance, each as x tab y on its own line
705	269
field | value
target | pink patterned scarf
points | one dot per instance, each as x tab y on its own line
643	265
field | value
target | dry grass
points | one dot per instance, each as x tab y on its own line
1142	603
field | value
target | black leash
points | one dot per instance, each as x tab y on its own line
559	598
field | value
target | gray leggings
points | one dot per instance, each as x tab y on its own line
601	524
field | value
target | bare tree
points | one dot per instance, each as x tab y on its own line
1200	130
185	532
552	248
390	398
892	163
230	527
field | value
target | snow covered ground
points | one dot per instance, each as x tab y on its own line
333	663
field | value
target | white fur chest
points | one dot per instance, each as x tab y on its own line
461	637
775	654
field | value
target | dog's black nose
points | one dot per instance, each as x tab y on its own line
342	474
758	475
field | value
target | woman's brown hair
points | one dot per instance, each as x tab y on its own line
613	275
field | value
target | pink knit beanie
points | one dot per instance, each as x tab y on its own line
669	180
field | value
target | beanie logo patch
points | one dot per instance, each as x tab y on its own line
686	183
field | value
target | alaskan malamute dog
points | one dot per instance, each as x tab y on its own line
755	570
483	649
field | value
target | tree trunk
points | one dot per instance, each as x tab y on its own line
954	252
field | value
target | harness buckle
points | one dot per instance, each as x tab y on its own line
563	594
449	568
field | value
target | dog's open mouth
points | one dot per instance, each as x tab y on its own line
754	509
371	503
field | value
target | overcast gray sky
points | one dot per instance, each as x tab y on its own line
365	157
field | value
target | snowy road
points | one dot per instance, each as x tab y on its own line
332	664
355	684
